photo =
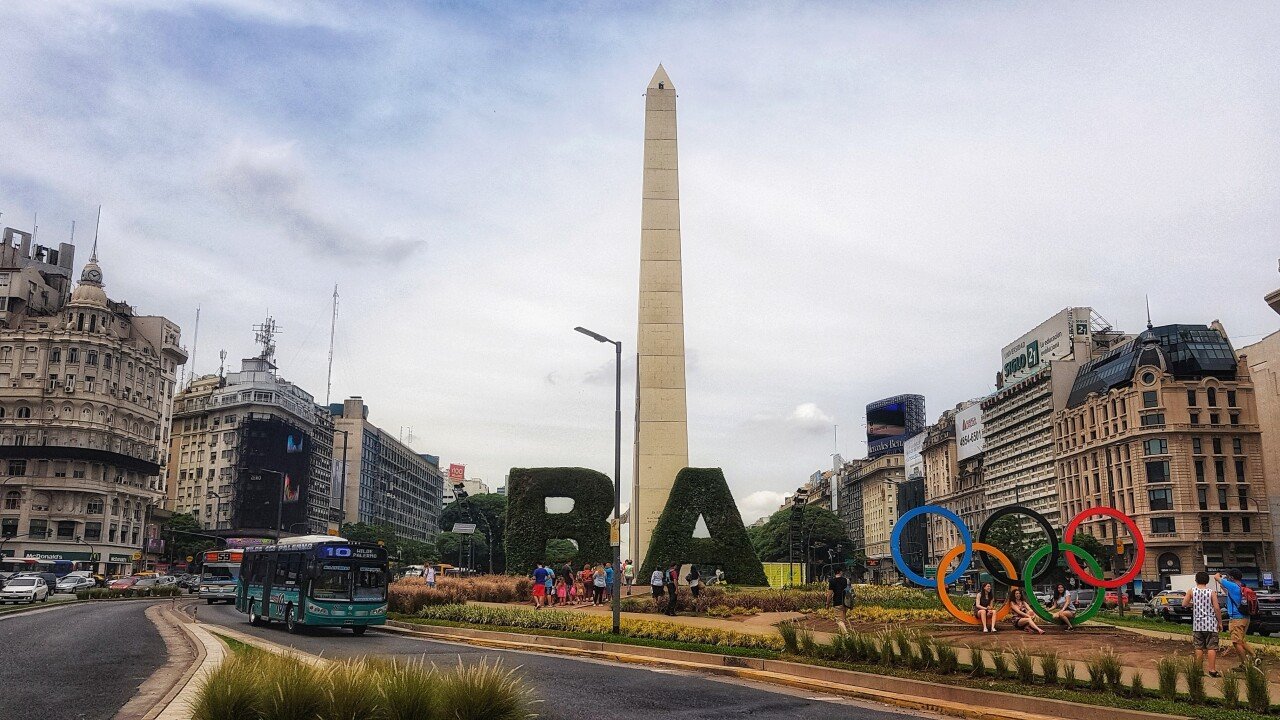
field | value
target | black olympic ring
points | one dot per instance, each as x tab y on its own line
997	573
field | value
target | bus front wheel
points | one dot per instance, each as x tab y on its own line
359	629
254	618
290	624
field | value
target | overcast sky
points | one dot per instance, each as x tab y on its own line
875	197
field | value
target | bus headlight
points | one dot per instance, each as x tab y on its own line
380	610
205	588
313	608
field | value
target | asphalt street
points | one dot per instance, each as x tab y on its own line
572	688
80	662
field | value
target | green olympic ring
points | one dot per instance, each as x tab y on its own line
1036	557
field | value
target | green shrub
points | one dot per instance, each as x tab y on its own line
1167	670
790	637
1256	690
999	664
407	689
977	662
884	649
529	526
291	690
1024	665
808	645
1137	689
948	664
1193	671
348	691
482	692
1230	686
229	692
1050	664
1069	680
1112	670
1097	677
110	594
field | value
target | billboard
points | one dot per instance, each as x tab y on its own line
891	421
969	432
1051	340
457	473
273	476
913	456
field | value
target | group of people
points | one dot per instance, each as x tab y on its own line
565	586
986	610
1206	618
668	582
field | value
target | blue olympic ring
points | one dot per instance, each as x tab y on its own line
895	543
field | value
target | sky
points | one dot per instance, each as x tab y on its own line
876	197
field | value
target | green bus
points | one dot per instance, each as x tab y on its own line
315	581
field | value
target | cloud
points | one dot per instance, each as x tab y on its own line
760	503
810	418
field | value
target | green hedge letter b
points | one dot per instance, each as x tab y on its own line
530	526
704	492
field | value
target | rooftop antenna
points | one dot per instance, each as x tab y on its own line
35	225
93	256
222	362
1148	298
333	328
73	232
195	337
265	335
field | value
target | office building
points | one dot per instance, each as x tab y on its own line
86	391
382	481
1263	359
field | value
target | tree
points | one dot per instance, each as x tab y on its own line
479	509
451	548
409	551
185	537
1010	536
530	527
821	526
560	552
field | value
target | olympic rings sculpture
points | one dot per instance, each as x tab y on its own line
1002	569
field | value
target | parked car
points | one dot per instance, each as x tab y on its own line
124	583
1165	605
25	589
190	583
1113	599
1267	620
146	582
166	581
74	583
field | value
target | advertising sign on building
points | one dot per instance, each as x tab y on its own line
457	472
913	456
1051	340
891	421
969	432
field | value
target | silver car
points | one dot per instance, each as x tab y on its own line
25	589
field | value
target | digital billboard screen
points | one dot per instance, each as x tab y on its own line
891	421
275	465
887	421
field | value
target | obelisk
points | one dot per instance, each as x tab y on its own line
662	435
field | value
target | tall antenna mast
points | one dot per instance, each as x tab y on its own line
73	232
333	329
195	338
94	254
1148	298
265	335
35	225
222	362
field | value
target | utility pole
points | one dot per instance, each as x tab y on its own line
333	329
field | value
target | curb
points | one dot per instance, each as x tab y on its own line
185	656
954	700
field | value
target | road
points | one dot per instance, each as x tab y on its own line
574	688
80	662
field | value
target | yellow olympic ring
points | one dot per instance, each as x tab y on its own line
949	557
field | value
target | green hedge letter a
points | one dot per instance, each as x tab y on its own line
530	526
704	492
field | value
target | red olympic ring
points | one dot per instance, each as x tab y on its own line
1138	541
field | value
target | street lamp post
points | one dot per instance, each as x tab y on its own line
217	510
617	473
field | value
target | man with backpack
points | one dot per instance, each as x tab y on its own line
1242	604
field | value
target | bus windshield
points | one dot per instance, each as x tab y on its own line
220	573
332	582
371	583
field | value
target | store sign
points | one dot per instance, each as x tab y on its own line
457	472
118	558
57	555
969	440
235	542
1051	340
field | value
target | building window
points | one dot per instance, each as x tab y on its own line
1212	393
1162	525
38	528
1239	471
91	357
92	531
106	361
1202	498
111	534
1231	398
1235	418
1191	397
8	527
1195	446
77	473
18	467
1158	471
1222	498
24	412
66	529
1194	418
1153	419
12	500
1242	494
1204	525
95	507
1215	419
1219	470
1226	523
1236	446
73	355
1160	499
1217	446
1149	399
1155	446
1246	525
135	537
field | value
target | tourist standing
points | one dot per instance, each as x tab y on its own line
608	581
628	575
839	586
431	576
539	585
694	578
672	581
597	586
1237	619
1205	613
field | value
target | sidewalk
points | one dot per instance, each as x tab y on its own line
765	624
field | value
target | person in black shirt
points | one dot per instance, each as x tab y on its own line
839	585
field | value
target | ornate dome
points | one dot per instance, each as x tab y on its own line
89	291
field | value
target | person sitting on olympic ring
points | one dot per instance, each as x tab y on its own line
1023	618
985	607
1064	605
